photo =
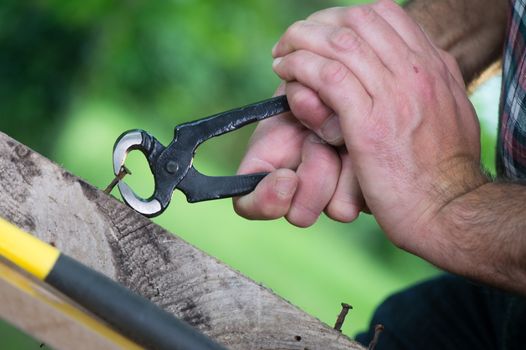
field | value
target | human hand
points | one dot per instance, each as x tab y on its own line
308	176
411	133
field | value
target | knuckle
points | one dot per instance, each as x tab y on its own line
382	5
301	96
333	72
302	215
241	209
344	39
315	15
345	209
361	14
305	102
323	13
295	29
449	60
299	100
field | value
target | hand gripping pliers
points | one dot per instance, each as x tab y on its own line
172	166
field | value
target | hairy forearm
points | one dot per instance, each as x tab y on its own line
482	235
472	31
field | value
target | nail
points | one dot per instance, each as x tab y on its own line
341	317
276	62
122	173
285	186
331	131
377	330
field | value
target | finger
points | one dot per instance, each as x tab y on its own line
384	40
404	25
336	85
271	198
313	113
407	28
273	195
347	201
416	38
318	177
282	129
453	67
262	154
338	43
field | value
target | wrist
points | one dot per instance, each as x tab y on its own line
452	184
479	236
454	179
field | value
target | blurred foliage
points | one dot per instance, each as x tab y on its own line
76	74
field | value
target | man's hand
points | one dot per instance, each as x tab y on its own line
470	30
309	175
410	130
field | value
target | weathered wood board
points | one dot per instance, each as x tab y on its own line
98	230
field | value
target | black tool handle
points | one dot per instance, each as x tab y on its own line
131	314
173	167
201	130
198	187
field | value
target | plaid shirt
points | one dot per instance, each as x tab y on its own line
511	143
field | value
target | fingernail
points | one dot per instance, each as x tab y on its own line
276	62
285	186
331	130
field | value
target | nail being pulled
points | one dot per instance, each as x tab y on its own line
122	173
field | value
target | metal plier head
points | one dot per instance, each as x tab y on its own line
172	167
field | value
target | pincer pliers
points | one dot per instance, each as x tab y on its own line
172	167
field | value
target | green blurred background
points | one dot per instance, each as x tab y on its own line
75	74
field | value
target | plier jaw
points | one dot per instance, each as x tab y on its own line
172	167
151	148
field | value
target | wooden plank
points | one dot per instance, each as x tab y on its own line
103	233
52	318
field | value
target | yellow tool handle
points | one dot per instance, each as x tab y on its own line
26	251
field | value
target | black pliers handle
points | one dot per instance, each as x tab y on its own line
172	166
